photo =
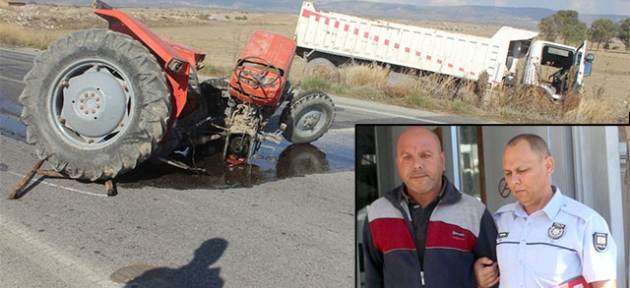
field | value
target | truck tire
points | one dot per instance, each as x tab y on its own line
308	117
322	68
96	104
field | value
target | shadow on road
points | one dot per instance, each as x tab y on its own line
196	274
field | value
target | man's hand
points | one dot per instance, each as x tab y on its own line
600	284
486	272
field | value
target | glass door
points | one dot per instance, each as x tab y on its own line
471	165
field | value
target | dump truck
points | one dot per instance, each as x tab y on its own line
333	39
99	102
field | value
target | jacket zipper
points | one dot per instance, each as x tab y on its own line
422	277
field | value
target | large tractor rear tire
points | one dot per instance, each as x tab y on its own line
308	117
96	104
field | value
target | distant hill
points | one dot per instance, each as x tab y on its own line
518	17
524	17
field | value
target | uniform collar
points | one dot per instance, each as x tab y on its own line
551	209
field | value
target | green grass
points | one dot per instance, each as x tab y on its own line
315	84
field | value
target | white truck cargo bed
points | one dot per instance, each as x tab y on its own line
431	50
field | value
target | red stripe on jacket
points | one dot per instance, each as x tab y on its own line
391	234
444	235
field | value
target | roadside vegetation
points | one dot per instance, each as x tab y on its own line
13	36
442	94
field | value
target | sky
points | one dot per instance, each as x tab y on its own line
618	7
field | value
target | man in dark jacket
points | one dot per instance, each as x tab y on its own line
425	233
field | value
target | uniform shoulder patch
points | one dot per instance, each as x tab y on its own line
600	241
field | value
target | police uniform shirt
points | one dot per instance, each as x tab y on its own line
564	240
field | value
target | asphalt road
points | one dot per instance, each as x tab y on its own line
166	228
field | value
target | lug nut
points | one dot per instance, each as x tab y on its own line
61	120
121	124
93	111
92	94
81	107
98	106
98	99
81	100
90	141
86	112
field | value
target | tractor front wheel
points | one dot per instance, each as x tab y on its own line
308	117
96	104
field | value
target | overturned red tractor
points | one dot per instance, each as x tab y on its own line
99	102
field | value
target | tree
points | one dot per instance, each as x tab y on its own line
572	30
602	30
548	28
624	32
565	24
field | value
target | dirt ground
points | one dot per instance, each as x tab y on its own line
611	72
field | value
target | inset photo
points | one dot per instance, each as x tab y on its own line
491	206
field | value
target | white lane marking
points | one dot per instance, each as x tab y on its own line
388	114
69	268
62	187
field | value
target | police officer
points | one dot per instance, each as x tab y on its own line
546	239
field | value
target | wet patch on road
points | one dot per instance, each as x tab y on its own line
334	152
273	162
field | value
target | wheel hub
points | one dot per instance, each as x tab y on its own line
94	103
309	121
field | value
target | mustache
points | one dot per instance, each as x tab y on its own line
418	173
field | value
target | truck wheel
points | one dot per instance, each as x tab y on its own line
322	68
309	115
96	104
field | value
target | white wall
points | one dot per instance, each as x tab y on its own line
598	186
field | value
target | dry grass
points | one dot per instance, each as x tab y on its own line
12	36
605	98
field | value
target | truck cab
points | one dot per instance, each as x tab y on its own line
556	68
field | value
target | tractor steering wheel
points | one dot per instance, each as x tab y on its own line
258	76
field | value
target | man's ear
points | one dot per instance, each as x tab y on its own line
549	164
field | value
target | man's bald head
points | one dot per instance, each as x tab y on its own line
536	143
418	133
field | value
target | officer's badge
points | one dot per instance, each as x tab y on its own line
556	230
600	241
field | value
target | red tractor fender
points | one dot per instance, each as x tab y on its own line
175	58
